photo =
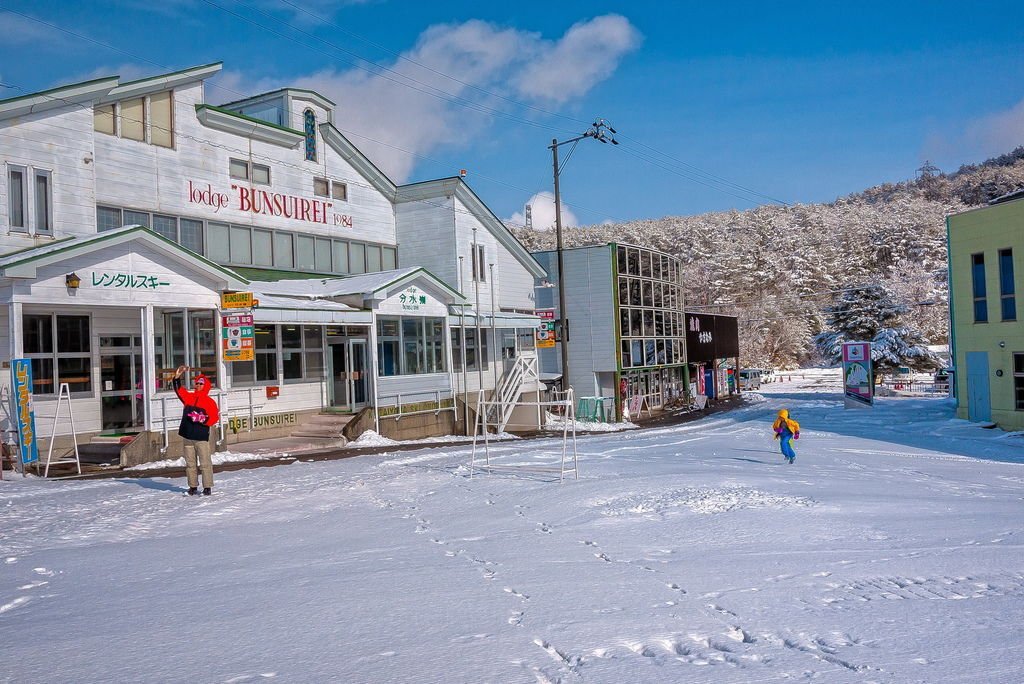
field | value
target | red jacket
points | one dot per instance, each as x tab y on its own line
201	411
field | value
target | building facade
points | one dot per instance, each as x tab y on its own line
129	208
627	335
986	272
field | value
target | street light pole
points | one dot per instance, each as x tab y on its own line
563	314
597	132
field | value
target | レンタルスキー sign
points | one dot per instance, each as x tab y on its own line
21	385
858	387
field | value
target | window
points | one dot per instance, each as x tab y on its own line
218	245
241	169
192	235
389	259
372	258
340	257
312	353
1007	291
322	255
410	346
1018	381
241	245
107	218
161	114
479	263
59	349
238	168
339	191
136	218
978	281
357	258
18	199
266	353
321	187
166	226
261	174
291	352
262	247
309	128
103	118
304	253
284	256
133	119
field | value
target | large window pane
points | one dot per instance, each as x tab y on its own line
340	257
137	218
77	372
72	334
166	226
291	337
192	235
322	255
103	119
161	112
389	259
44	204
304	258
218	248
107	218
357	258
291	364
373	258
37	334
241	245
262	247
412	346
283	254
133	119
42	376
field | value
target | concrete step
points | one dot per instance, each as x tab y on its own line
318	432
339	419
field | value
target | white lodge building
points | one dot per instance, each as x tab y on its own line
127	209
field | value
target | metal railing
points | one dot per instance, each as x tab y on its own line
384	402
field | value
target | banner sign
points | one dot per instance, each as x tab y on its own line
238	337
711	336
858	385
546	330
21	385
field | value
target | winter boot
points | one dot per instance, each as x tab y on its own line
207	491
192	491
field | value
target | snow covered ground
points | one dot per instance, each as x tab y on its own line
891	551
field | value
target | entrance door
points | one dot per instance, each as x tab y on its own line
121	383
979	399
339	374
358	376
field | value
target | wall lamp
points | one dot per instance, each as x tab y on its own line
72	281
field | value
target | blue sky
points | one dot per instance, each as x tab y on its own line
716	107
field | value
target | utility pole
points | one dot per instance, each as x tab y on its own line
597	132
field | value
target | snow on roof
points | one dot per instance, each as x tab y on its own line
319	288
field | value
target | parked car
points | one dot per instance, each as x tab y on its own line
767	375
750	379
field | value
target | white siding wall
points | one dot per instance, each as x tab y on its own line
465	223
147	177
59	141
590	298
426	237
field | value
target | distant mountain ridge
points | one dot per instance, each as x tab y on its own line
778	267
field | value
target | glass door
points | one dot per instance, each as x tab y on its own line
339	373
121	393
357	373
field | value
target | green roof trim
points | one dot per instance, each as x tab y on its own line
58	88
259	122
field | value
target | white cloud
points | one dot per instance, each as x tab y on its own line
589	52
998	133
980	138
17	30
403	108
542	206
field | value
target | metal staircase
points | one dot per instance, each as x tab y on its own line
503	401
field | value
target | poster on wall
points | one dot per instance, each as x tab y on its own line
858	385
25	415
238	337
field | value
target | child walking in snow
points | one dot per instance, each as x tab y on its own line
786	429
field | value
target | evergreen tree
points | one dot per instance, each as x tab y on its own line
871	314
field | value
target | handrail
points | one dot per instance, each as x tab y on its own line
402	414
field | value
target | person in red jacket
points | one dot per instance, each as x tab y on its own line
199	415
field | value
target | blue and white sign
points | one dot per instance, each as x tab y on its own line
21	384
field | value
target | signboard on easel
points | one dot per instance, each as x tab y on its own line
858	384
